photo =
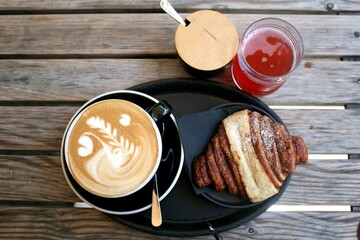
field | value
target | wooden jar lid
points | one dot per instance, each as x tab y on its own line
209	42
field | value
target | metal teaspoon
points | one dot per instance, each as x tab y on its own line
166	6
156	218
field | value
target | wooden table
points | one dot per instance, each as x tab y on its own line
55	55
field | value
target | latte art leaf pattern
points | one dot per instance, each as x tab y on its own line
105	128
114	148
118	149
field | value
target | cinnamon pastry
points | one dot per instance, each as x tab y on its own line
250	156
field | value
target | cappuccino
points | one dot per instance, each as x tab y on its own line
113	148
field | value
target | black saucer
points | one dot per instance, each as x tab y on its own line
167	173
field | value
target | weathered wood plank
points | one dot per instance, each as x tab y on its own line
41	128
325	131
324	182
301	226
33	128
34	178
141	5
320	82
27	222
80	79
69	79
118	34
40	178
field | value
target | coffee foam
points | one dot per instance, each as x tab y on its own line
113	148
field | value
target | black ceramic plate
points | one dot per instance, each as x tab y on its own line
184	212
167	174
204	125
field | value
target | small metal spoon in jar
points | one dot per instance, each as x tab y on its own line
166	6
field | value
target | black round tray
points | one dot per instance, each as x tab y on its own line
185	213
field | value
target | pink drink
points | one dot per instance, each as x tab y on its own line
266	57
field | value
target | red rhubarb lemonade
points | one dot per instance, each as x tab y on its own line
265	58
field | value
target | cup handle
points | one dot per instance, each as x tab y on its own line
159	111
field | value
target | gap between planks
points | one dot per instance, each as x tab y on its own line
308	107
158	10
279	208
275	107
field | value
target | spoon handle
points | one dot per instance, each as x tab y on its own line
156	218
166	6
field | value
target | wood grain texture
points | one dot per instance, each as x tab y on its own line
302	226
324	182
318	81
209	42
40	179
42	128
33	128
55	55
79	79
117	35
34	178
325	131
141	5
66	223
